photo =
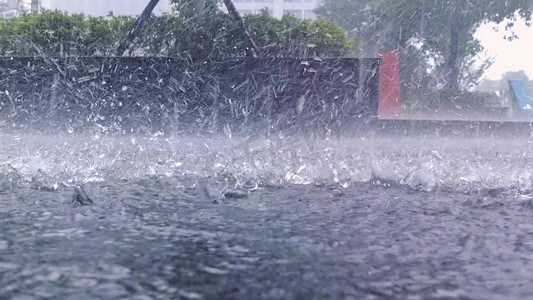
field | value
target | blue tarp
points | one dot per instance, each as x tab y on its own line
520	96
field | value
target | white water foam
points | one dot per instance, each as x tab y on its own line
465	165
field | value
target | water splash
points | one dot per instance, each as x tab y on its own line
233	166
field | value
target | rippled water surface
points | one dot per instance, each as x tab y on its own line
265	217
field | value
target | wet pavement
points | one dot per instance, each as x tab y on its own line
149	239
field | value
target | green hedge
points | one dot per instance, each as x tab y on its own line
50	32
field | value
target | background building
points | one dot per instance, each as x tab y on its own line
103	7
302	9
11	8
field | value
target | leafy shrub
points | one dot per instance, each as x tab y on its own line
209	36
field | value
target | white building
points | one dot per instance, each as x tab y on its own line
302	9
103	7
11	8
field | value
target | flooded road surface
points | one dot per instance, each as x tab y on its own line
189	220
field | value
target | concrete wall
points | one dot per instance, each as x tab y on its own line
161	94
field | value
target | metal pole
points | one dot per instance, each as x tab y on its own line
137	27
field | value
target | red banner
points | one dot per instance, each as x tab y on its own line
390	97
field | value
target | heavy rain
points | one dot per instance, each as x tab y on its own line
246	149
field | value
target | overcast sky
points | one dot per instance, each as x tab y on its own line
509	56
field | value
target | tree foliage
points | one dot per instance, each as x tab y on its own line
290	36
53	32
434	35
193	32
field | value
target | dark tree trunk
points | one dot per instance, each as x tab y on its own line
136	28
232	10
451	63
